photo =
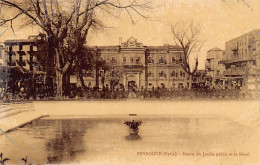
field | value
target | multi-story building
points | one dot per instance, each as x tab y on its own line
134	64
214	67
26	63
257	56
240	60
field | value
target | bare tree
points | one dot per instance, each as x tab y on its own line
187	37
66	23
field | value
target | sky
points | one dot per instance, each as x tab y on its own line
220	21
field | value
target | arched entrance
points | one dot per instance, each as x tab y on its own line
132	80
132	84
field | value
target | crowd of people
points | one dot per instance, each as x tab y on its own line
120	93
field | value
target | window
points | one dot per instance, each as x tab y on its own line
162	60
113	60
137	60
177	61
180	60
150	60
131	59
150	74
182	74
173	73
235	52
173	60
162	74
124	59
150	84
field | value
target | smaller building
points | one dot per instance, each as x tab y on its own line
214	67
199	79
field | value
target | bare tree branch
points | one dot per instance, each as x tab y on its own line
187	37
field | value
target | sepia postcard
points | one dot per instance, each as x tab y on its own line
130	82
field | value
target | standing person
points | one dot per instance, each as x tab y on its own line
20	94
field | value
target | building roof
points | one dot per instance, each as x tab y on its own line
31	39
255	32
215	49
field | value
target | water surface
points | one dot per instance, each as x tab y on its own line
105	140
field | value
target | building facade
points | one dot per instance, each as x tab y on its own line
131	65
257	57
241	56
139	66
214	67
26	63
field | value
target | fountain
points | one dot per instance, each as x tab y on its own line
133	126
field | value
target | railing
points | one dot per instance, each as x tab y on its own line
235	72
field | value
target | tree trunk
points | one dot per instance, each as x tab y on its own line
33	91
59	81
97	77
190	82
103	78
80	80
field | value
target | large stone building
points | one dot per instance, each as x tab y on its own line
131	63
140	66
241	56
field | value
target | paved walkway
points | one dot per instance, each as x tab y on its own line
15	115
